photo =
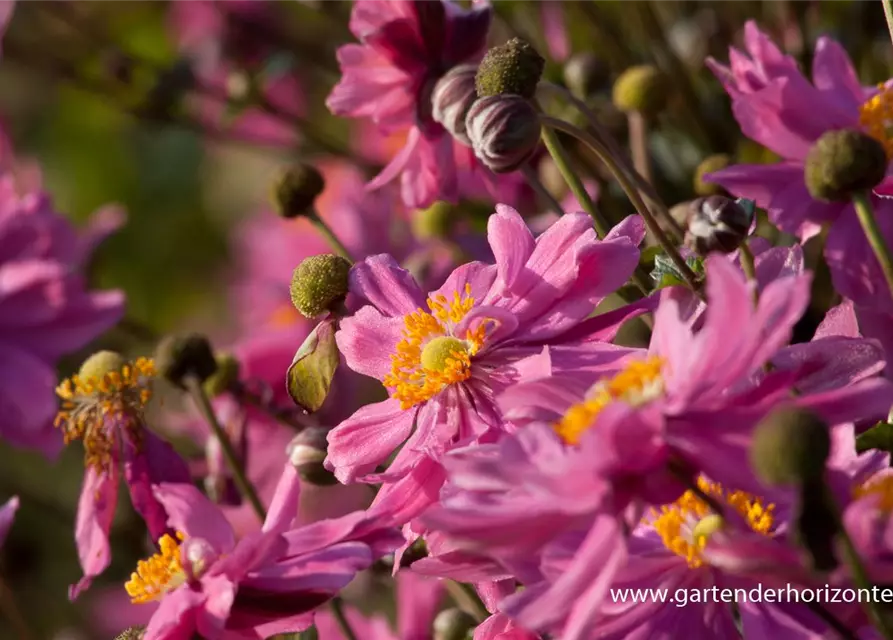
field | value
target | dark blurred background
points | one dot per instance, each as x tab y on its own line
103	95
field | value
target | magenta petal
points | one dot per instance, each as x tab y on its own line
840	321
192	513
284	505
27	401
419	598
367	339
96	509
833	74
401	501
866	400
386	285
176	617
367	438
511	242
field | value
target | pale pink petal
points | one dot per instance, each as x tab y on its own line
386	285
367	438
833	73
511	242
192	513
368	339
840	321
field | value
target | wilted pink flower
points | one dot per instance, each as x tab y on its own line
418	600
483	330
779	108
268	247
405	47
105	412
263	584
47	309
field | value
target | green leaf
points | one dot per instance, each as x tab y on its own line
310	375
879	437
666	274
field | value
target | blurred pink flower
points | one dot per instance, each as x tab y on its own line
486	327
46	307
779	108
405	47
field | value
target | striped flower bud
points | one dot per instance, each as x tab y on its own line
716	223
453	96
504	131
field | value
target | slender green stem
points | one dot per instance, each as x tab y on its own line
875	238
653	227
466	598
638	144
341	619
748	264
888	14
330	236
601	134
860	579
535	184
553	145
204	406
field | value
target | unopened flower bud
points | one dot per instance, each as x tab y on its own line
296	189
225	377
504	131
100	364
843	162
307	452
132	633
309	378
416	551
716	223
319	283
453	96
512	68
710	164
642	88
434	222
585	73
453	624
790	447
181	356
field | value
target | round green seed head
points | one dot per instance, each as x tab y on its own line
100	364
296	189
790	447
226	375
843	162
319	283
707	526
642	88
179	357
514	67
709	165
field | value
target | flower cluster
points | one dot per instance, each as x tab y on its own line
530	425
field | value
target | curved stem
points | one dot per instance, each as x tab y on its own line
638	144
232	460
535	184
466	598
329	235
653	227
888	14
601	134
341	619
882	252
553	145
